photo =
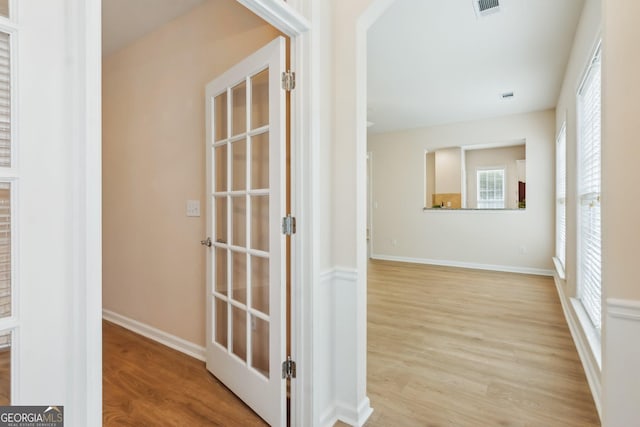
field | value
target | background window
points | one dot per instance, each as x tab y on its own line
490	188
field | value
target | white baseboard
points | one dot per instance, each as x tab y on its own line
591	369
470	265
329	417
364	411
172	341
340	411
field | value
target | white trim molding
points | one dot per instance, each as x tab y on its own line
187	347
623	309
279	14
621	362
340	340
463	264
589	356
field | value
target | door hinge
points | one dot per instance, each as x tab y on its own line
288	80
288	369
289	225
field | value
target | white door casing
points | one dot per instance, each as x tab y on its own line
243	204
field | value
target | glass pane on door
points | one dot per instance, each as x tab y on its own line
220	331
239	165
239	281
260	345
239	331
260	223
220	235
220	279
220	168
238	221
260	284
260	99
220	114
239	109
260	161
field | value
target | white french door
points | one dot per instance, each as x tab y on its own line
246	184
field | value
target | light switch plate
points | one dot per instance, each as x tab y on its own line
193	207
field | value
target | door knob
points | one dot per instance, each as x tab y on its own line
206	242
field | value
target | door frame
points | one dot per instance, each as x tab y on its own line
84	20
288	19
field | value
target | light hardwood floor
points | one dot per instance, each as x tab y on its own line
148	384
454	347
447	347
5	376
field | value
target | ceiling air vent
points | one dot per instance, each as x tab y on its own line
486	7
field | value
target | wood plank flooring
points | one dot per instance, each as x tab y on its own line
148	384
454	347
5	376
447	347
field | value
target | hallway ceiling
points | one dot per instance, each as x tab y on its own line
124	21
433	62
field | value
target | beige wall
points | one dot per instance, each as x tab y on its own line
449	170
620	149
430	178
519	239
494	157
153	160
620	208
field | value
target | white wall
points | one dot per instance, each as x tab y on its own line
521	240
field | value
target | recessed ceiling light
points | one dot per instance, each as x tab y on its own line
507	95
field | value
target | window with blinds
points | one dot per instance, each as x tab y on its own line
589	179
490	188
561	195
5	100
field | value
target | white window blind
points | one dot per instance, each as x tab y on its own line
589	179
490	188
561	195
5	100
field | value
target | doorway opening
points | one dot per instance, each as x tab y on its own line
153	195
